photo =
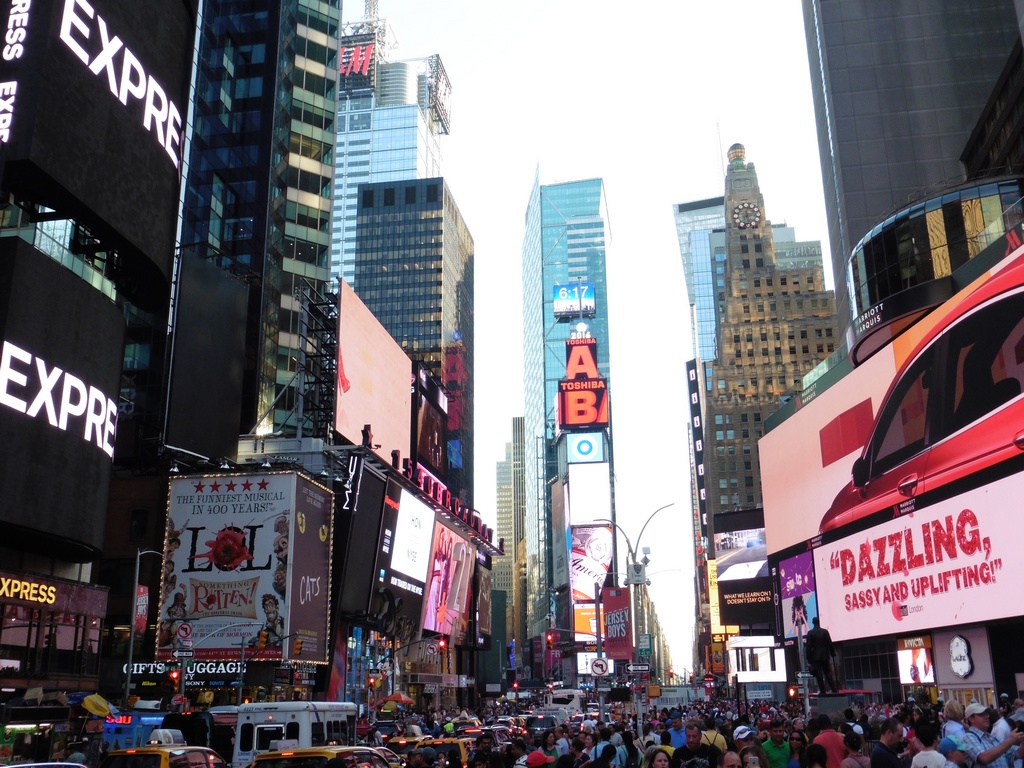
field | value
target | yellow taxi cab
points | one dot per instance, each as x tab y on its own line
166	749
461	746
317	757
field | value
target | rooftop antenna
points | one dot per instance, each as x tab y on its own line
371	9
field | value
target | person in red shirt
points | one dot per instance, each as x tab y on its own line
831	740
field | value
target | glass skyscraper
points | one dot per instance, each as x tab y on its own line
564	245
389	125
414	271
695	223
257	196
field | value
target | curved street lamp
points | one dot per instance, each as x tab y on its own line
134	602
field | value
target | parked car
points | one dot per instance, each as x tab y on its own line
954	409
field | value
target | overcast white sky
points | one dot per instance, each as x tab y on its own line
648	97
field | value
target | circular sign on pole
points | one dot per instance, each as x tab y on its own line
432	649
184	630
599	667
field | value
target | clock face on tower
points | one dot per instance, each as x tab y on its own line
746	215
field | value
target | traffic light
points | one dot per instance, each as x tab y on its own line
175	676
261	639
297	646
793	692
551	641
515	685
442	645
371	681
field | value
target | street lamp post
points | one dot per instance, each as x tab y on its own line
634	571
131	623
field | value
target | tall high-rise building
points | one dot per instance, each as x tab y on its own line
414	271
898	89
391	115
564	293
511	510
257	196
776	322
695	223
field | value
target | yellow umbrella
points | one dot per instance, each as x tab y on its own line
98	705
389	706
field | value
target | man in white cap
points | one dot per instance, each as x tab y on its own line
985	749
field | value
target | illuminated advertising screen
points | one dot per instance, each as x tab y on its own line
914	658
95	96
741	554
403	552
953	561
798	601
246	554
583	393
373	380
590	493
584	447
574	300
746	601
918	438
589	559
431	424
484	579
60	374
448	582
585	622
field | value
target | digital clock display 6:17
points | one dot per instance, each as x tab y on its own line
573	300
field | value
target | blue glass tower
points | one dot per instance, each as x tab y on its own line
564	245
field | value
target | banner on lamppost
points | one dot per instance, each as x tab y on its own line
618	639
141	609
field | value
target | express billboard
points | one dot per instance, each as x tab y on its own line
60	371
246	554
95	94
373	380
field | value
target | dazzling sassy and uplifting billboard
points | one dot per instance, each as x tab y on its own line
908	468
246	567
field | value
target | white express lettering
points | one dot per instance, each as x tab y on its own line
7	89
77	399
160	115
17	22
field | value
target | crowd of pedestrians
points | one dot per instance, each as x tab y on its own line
719	734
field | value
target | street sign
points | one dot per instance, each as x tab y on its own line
643	645
183	654
599	667
804	676
638	668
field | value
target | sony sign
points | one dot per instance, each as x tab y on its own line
29	385
87	35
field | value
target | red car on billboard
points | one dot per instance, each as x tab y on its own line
954	409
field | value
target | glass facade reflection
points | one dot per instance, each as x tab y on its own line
694	224
257	195
930	240
414	271
565	241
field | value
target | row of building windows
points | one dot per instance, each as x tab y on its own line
726	418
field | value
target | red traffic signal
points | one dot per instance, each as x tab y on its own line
515	685
175	675
442	644
551	641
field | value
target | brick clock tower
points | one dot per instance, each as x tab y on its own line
776	321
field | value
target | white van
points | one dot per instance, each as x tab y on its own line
261	727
